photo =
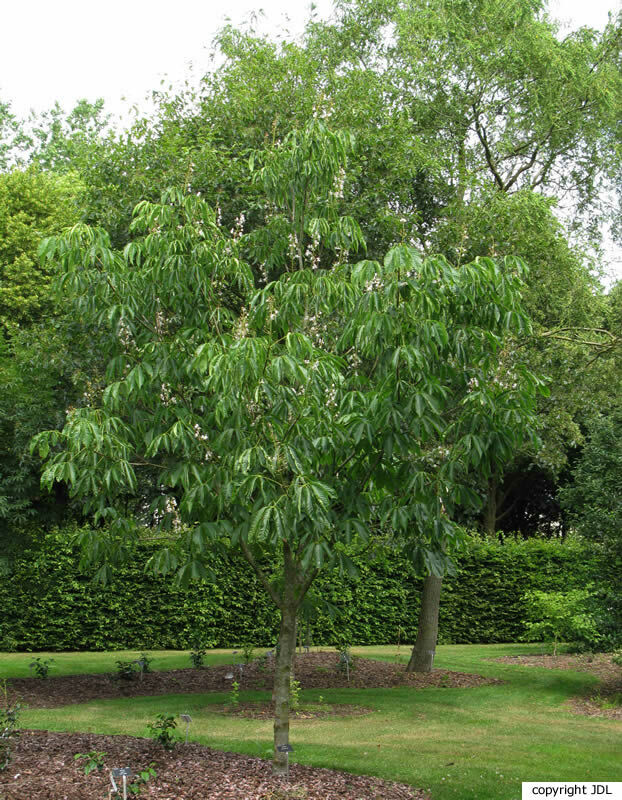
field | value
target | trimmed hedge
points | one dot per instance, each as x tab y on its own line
49	604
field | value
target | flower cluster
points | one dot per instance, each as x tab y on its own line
125	335
316	329
312	253
238	229
331	397
241	330
340	179
437	456
198	433
263	275
161	323
354	362
170	508
167	398
374	284
90	394
202	437
293	246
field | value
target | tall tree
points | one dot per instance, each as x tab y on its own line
292	419
594	503
37	355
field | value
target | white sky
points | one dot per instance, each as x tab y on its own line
69	49
66	50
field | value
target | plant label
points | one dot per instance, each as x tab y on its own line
119	772
284	748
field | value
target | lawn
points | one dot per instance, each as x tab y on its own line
472	744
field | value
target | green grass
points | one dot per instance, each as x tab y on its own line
461	744
15	665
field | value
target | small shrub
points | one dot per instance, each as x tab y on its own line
94	760
197	656
558	617
144	663
247	652
234	694
294	693
617	656
142	779
346	663
162	730
612	701
127	670
41	666
9	718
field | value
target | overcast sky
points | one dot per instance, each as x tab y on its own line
69	49
66	50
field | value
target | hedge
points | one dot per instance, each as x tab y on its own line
49	604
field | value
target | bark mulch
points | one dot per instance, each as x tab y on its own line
314	711
43	768
594	704
312	670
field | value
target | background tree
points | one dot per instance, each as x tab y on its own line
39	349
33	204
594	505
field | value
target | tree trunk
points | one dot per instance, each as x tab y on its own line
283	669
422	656
490	510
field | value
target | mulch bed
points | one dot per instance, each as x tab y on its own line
43	765
599	664
312	670
43	768
266	711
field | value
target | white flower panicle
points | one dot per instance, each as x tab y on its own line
293	246
354	362
161	323
316	329
263	275
125	335
198	433
238	229
375	284
342	254
241	331
331	397
337	190
167	398
312	253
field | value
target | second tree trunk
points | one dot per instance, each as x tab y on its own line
422	656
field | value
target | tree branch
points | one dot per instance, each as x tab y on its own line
278	601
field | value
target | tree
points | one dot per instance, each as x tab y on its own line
497	98
594	503
33	205
291	420
37	354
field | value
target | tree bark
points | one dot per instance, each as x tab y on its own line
490	510
283	667
422	656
